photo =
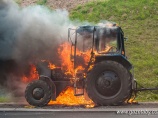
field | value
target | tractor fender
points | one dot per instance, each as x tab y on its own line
117	58
51	84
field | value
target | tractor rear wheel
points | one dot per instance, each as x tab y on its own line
108	83
38	93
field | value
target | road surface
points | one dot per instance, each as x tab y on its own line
141	110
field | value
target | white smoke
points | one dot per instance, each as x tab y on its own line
31	33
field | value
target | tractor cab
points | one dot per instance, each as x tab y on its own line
105	41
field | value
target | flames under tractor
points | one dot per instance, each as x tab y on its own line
106	77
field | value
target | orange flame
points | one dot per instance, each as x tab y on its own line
66	97
66	63
32	76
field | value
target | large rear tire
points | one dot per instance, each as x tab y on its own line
108	83
38	93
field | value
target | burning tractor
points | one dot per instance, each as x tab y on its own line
105	76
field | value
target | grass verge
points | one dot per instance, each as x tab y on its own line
41	2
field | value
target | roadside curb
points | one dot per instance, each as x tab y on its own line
142	106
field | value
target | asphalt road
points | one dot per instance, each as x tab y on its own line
69	114
142	110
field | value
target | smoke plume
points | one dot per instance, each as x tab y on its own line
31	33
28	35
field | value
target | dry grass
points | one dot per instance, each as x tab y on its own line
56	4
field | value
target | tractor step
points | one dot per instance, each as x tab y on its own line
78	92
79	87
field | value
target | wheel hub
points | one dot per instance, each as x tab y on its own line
108	84
104	82
38	93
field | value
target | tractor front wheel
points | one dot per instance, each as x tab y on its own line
38	93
